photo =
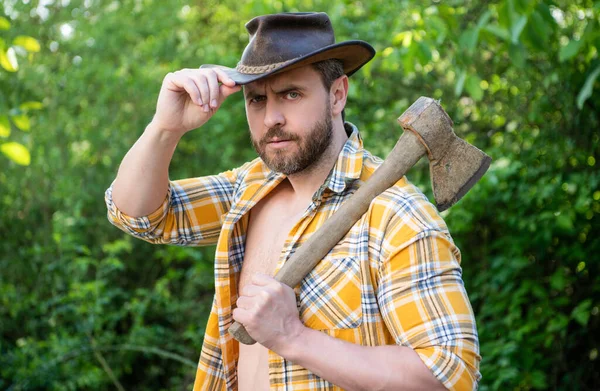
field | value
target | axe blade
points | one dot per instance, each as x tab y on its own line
457	172
455	166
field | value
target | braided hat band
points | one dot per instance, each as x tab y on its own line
256	70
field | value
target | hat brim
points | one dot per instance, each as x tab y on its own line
353	54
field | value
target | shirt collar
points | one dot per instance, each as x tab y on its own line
349	164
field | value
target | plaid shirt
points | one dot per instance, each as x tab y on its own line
395	278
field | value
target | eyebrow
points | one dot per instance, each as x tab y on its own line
289	87
250	93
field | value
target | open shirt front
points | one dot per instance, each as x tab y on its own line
395	278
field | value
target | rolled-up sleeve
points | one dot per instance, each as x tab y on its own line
425	306
190	215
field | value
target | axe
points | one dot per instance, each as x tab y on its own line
455	166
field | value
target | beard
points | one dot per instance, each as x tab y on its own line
311	147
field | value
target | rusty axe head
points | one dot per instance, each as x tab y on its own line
455	165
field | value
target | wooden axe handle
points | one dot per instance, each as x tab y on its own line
406	153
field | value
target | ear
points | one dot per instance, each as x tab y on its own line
338	95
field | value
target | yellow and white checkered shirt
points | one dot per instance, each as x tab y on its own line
395	278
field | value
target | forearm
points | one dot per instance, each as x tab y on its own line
355	367
143	178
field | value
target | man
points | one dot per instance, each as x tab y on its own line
384	310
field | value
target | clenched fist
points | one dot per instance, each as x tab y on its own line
189	97
267	309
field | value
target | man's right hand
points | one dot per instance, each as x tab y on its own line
189	97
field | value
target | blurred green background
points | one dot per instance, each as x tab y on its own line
84	307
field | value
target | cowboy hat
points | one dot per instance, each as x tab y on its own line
286	41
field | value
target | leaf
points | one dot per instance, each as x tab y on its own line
522	5
484	19
408	60
460	82
4	23
498	31
22	122
558	280
564	222
29	43
4	126
581	313
8	60
538	32
517	28
468	39
31	105
558	322
424	53
438	28
473	87
538	380
588	86
517	55
404	38
544	10
16	152
569	50
504	14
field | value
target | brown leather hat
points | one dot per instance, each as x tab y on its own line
286	41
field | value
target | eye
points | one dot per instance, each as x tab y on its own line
293	95
257	99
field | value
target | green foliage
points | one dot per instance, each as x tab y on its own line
82	306
9	63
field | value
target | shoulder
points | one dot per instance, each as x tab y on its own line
402	213
250	172
249	177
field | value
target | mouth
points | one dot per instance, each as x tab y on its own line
278	142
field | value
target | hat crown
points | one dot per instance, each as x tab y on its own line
278	38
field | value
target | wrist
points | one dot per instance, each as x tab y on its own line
291	345
162	135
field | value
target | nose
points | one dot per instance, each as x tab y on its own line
273	115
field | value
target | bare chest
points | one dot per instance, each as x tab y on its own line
268	229
271	221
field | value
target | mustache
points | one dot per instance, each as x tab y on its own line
277	132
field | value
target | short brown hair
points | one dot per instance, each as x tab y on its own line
330	70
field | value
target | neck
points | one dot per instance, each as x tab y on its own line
308	181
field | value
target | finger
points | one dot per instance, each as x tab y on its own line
213	87
226	91
224	78
174	82
192	89
245	302
240	315
251	290
202	84
263	279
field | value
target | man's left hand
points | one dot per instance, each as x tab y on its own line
268	311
